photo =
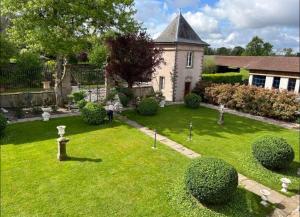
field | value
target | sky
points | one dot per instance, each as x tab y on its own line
227	23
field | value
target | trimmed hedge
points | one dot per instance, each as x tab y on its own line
192	100
3	124
211	180
93	114
276	104
124	99
148	106
77	96
273	152
81	104
226	78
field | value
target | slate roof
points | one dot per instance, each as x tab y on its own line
268	63
180	31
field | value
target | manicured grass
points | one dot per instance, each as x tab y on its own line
112	171
231	142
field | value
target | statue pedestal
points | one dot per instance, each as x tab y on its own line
221	119
61	148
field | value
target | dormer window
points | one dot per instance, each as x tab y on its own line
189	59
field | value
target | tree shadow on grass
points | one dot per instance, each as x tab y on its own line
36	131
243	203
84	159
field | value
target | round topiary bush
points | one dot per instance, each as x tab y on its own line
148	106
192	100
93	113
81	104
124	99
3	124
273	152
211	180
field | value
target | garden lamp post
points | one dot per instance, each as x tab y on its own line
61	143
155	139
221	117
190	131
264	196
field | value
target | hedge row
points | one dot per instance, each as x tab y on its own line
226	78
254	100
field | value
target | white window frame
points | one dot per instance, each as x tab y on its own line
162	82
189	59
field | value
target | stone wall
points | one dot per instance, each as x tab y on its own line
11	100
142	91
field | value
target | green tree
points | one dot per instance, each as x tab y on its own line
288	52
223	51
237	51
257	47
63	27
7	49
209	51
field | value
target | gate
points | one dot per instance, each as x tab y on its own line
91	80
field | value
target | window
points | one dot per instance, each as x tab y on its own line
276	82
161	83
259	80
291	84
189	59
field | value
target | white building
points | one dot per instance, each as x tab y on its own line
270	72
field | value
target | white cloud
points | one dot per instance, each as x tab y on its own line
229	22
257	13
201	22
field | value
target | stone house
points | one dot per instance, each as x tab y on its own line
183	52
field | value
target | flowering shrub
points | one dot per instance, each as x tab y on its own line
254	100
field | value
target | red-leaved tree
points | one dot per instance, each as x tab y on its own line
132	57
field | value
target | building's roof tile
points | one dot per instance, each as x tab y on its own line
268	63
179	31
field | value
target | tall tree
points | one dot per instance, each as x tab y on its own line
288	52
257	47
237	51
209	51
132	57
62	27
223	51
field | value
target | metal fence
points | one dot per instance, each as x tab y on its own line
13	78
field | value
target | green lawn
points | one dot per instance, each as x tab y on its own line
112	171
231	142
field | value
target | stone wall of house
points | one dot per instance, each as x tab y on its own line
187	74
166	70
26	99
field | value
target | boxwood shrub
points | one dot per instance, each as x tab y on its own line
77	96
81	103
192	100
124	99
93	113
211	180
273	153
3	124
148	106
